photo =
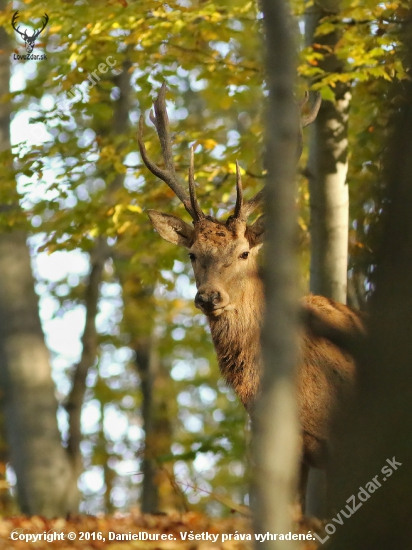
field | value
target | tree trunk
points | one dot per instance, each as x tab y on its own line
159	492
275	419
88	357
147	364
329	198
30	406
4	140
376	433
8	505
327	169
29	403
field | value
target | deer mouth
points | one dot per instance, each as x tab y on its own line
216	312
211	311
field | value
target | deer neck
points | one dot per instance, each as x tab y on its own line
236	337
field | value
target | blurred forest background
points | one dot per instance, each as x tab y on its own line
142	414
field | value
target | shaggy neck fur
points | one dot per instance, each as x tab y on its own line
236	336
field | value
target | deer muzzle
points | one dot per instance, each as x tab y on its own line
212	300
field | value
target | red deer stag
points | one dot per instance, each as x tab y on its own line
230	294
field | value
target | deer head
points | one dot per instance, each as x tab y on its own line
223	253
29	40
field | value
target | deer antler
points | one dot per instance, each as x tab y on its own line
239	194
37	33
14	21
247	208
243	210
303	101
199	215
252	204
313	113
168	175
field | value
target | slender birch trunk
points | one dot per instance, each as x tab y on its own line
329	196
275	420
327	169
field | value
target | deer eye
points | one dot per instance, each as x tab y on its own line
192	257
244	255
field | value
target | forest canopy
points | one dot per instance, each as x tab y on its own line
143	413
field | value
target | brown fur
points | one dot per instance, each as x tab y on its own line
224	259
236	337
230	292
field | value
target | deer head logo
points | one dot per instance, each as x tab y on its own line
30	41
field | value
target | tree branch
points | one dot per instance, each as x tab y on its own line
89	353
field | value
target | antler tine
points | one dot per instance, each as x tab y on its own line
249	206
38	32
255	201
308	119
239	194
252	204
161	121
199	215
14	21
168	175
303	101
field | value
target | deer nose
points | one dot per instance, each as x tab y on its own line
209	300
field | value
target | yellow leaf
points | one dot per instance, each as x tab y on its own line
209	143
134	208
117	211
178	26
246	8
215	17
123	228
232	169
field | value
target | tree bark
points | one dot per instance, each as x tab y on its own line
329	197
158	492
327	169
88	357
146	365
30	406
158	401
41	465
377	427
275	419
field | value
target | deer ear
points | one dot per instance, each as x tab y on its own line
255	232
172	229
